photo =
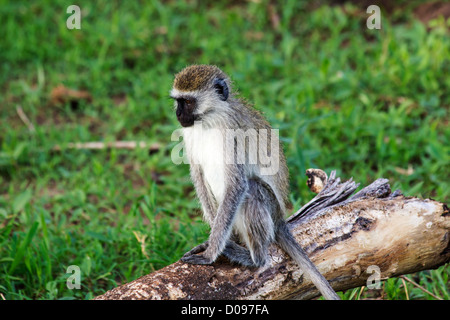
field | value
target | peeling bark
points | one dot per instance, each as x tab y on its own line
342	235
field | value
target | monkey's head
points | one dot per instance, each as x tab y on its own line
200	93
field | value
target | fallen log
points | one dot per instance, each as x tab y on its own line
353	240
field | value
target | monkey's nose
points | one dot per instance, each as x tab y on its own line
179	110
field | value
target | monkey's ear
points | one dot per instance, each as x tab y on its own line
221	88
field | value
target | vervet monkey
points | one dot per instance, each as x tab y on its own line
242	203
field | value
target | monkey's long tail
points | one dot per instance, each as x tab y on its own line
287	243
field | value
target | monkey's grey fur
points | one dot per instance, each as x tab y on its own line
242	205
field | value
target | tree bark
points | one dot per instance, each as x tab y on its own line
375	235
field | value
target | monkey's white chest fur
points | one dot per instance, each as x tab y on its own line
205	148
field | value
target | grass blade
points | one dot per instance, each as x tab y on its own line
23	247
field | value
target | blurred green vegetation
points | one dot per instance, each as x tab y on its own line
368	103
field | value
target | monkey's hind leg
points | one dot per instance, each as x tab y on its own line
254	226
238	254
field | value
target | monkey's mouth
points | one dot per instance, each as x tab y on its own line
186	120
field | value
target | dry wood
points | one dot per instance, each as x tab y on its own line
61	94
346	237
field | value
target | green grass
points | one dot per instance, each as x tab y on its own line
368	103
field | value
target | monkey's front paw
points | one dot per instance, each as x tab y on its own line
200	248
196	259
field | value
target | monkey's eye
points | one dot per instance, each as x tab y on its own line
190	102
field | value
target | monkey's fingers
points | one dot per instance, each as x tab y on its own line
197	249
196	259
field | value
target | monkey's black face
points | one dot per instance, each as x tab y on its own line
185	111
